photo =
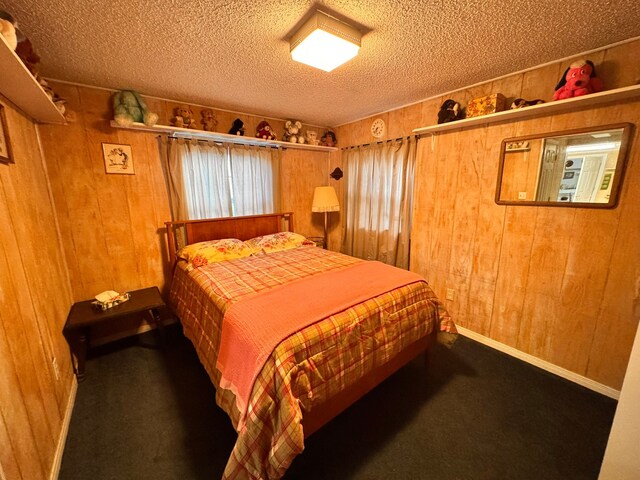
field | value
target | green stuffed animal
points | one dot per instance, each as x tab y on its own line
129	107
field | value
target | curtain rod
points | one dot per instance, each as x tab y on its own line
382	141
222	142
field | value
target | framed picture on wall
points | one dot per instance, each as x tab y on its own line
5	146
118	158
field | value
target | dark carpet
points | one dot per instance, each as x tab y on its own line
147	411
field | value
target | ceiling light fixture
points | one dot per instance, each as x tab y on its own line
592	147
325	42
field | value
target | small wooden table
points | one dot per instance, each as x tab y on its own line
319	241
83	315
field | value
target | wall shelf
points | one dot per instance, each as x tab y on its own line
608	96
178	132
21	88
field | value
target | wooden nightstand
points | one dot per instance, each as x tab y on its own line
82	316
319	241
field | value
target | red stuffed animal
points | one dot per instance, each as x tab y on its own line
265	131
579	79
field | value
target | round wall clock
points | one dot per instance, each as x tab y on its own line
377	128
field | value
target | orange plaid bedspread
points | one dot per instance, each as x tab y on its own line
308	367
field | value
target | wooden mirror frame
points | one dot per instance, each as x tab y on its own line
617	178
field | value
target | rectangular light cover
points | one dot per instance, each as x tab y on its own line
325	42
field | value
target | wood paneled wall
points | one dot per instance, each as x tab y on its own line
113	225
557	283
70	231
35	296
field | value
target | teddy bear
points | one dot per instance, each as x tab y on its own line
312	137
237	128
264	131
209	120
579	79
521	103
183	117
450	111
129	107
328	139
293	132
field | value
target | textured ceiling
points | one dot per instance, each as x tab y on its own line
235	55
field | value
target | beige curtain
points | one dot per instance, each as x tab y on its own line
255	179
210	180
379	187
198	179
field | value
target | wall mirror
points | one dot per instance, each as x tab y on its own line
575	168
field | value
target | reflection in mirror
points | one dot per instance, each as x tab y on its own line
574	168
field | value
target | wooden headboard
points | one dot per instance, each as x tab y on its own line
186	232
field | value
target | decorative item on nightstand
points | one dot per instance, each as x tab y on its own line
325	200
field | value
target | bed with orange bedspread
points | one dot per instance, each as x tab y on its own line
322	360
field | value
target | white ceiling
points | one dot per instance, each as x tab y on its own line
235	55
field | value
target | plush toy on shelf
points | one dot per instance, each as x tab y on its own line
312	137
9	29
293	132
209	120
237	128
129	107
450	111
58	101
183	117
329	139
521	103
579	79
29	57
264	131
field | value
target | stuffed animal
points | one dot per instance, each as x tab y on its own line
579	79
312	137
29	57
237	128
183	117
209	120
450	111
129	107
328	139
293	133
521	103
264	131
9	30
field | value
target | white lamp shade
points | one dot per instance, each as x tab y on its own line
325	200
325	42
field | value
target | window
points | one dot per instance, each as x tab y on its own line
379	198
209	180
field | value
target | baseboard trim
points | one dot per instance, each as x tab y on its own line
129	333
62	440
549	367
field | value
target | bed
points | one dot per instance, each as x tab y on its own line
290	338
